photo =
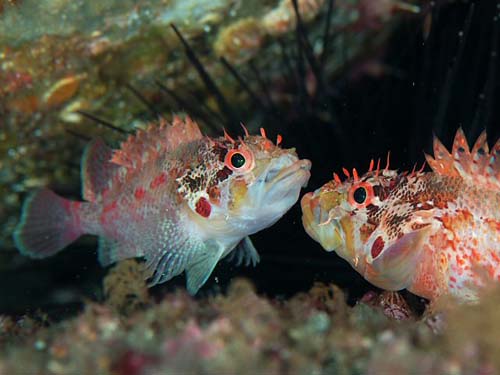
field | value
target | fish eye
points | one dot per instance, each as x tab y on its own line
237	160
360	195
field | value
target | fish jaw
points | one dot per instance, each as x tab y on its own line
318	223
274	193
256	201
288	180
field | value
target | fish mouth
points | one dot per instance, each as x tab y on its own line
318	223
297	172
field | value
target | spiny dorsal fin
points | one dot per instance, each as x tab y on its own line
480	166
158	138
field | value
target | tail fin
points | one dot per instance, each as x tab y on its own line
48	224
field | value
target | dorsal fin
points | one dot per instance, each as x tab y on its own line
158	138
97	170
479	165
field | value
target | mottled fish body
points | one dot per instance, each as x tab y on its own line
433	233
177	198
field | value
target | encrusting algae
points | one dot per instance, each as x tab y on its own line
311	332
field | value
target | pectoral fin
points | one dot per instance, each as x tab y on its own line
204	262
394	267
245	252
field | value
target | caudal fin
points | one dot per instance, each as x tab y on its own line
48	224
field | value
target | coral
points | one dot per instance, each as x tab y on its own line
282	19
470	336
240	41
125	288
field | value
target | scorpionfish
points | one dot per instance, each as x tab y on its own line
434	233
179	199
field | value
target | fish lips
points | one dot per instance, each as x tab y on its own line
298	172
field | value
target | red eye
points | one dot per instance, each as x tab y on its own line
239	160
361	194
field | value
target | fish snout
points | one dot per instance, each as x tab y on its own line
305	168
318	224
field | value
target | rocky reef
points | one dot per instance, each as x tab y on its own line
240	331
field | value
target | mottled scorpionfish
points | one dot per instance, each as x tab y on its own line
434	233
177	198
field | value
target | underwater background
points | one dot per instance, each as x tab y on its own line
350	81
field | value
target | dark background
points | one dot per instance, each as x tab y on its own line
430	86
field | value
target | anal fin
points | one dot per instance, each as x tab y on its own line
165	265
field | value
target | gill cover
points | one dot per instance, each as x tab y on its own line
394	265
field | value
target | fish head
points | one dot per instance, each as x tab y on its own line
255	183
376	222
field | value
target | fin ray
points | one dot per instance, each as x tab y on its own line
394	268
48	224
201	268
245	252
479	166
97	170
157	139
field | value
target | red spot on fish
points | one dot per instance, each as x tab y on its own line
109	207
476	256
139	193
377	247
453	279
203	207
491	270
159	180
495	225
495	257
459	260
214	194
75	205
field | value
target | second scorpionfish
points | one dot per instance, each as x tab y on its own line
434	233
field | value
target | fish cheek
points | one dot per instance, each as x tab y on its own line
348	251
393	265
214	195
238	193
